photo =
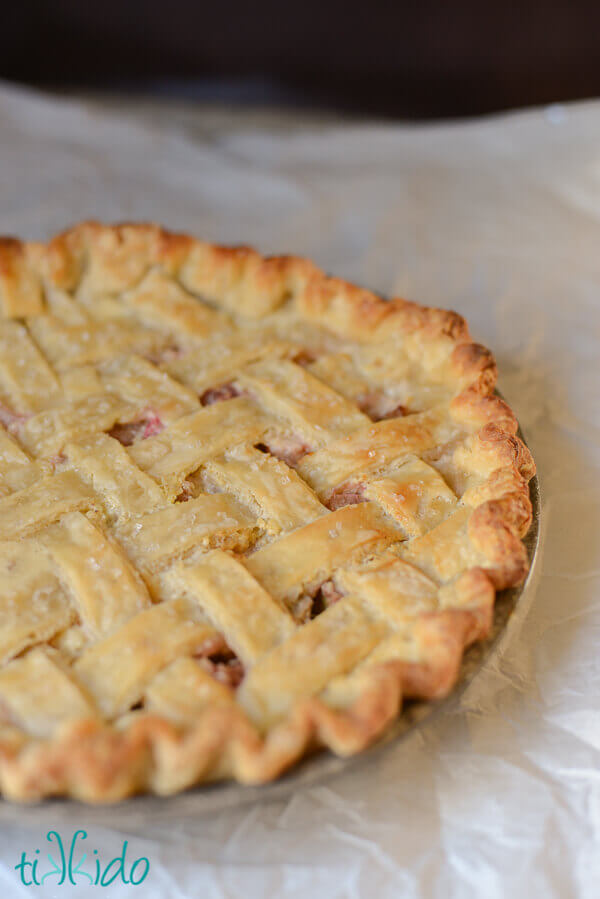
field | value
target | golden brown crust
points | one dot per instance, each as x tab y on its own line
98	762
445	634
505	449
20	289
433	323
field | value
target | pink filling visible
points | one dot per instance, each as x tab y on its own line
152	426
132	431
347	495
288	448
218	394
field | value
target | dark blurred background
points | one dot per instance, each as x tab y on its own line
416	60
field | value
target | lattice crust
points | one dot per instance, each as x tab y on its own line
245	509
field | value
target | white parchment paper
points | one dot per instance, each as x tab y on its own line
500	220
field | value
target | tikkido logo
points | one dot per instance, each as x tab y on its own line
68	870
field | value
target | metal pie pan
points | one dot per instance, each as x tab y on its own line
137	814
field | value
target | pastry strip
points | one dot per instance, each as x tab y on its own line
116	670
106	590
39	694
239	608
307	556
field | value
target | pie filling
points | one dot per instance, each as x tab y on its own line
347	495
314	601
130	432
218	394
226	668
326	596
289	448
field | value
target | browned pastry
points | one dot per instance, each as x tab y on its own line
245	509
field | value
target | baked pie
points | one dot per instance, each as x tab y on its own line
245	510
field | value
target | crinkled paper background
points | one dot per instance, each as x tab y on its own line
500	220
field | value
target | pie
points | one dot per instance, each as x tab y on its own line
245	510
